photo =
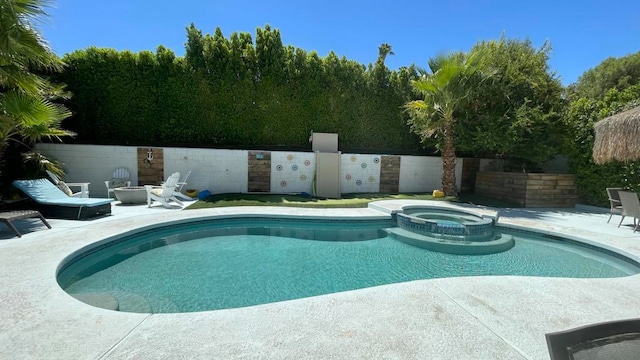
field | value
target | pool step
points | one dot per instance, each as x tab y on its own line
130	302
101	300
449	246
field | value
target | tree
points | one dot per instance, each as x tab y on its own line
518	110
27	110
444	92
592	179
384	50
613	73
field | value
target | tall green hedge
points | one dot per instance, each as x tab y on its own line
592	179
234	92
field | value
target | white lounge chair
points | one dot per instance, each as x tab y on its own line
164	194
630	207
119	178
66	187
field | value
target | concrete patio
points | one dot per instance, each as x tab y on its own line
496	317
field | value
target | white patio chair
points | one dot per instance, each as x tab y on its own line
66	187
119	178
182	183
165	193
630	207
178	190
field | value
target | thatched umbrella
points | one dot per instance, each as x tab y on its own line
618	137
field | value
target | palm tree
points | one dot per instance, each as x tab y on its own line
443	92
383	50
27	112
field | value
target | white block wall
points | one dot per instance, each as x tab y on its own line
93	163
226	171
359	173
219	171
292	172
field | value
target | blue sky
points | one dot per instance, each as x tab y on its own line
582	33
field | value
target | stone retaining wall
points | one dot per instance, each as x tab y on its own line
528	190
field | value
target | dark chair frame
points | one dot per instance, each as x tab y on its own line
614	202
8	217
559	343
73	212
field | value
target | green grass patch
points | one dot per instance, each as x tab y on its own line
347	201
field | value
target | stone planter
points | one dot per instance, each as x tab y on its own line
131	194
529	189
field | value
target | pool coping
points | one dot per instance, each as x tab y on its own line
474	317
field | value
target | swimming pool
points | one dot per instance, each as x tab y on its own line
230	263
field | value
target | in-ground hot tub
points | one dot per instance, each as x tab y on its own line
131	194
449	231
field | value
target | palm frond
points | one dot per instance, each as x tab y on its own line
20	42
42	162
14	76
34	117
444	90
29	9
424	85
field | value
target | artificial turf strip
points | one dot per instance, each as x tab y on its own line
348	201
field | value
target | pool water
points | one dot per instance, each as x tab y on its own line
443	217
221	265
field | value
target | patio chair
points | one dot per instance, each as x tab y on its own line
119	178
66	187
614	202
165	193
614	340
180	185
630	207
54	203
8	217
178	190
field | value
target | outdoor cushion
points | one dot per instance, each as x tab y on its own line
116	183
157	191
65	188
44	192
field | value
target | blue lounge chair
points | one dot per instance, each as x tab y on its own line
53	203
